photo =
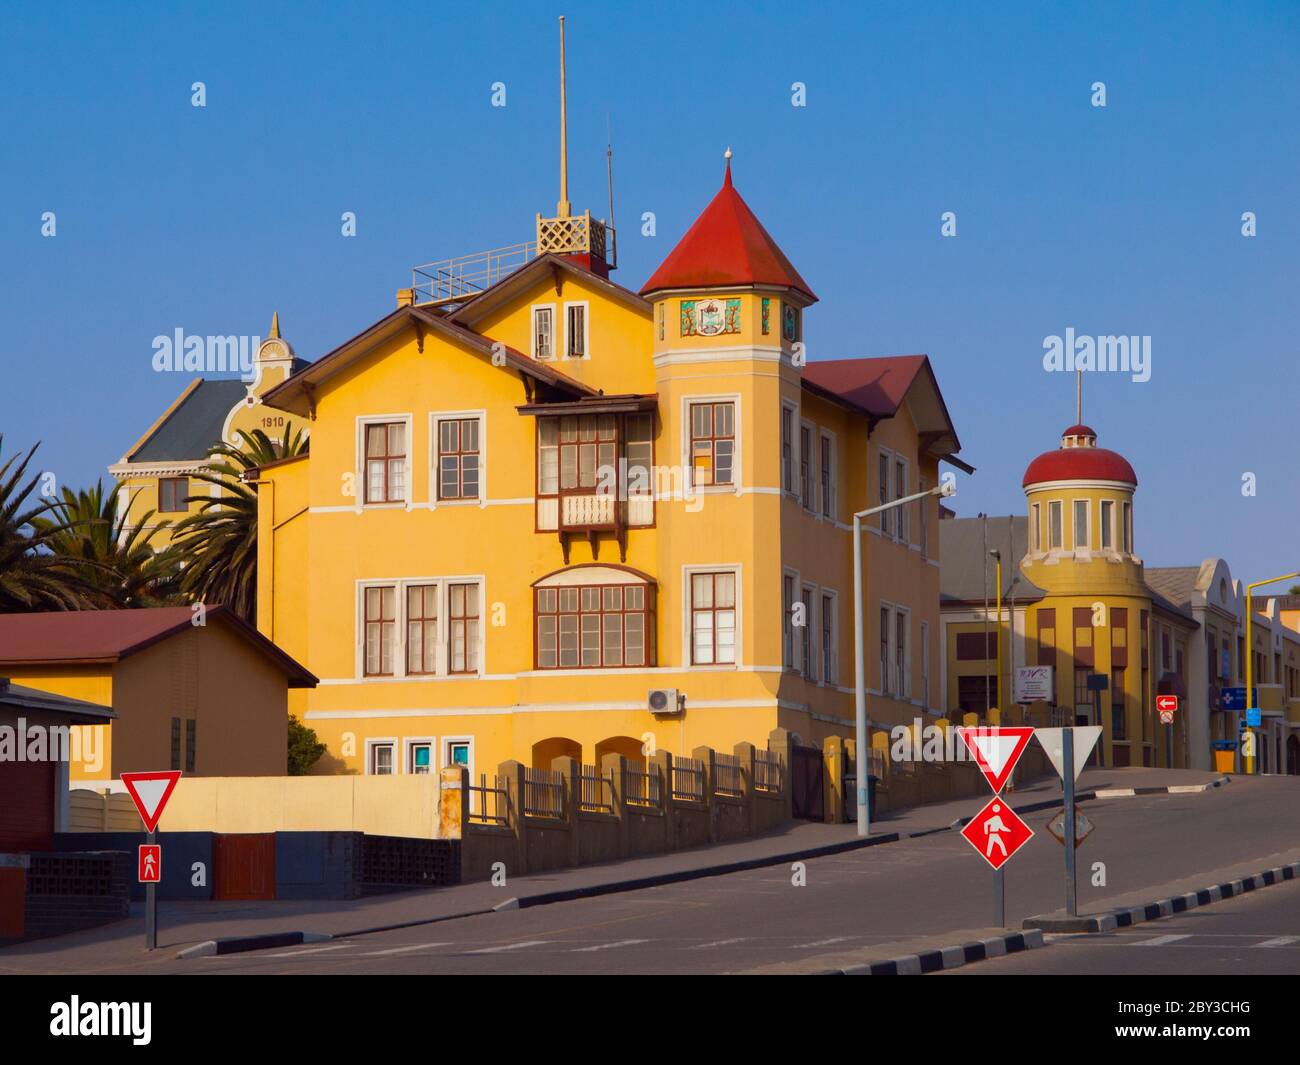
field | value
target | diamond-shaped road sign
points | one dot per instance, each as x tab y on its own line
997	832
1082	826
1085	739
996	750
150	792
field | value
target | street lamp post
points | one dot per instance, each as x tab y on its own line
943	488
1251	762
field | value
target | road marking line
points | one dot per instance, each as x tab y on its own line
821	943
313	950
403	950
1159	941
609	946
512	946
717	943
1280	941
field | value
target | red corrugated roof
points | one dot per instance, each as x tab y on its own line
877	385
727	245
105	636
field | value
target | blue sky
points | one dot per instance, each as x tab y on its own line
1122	220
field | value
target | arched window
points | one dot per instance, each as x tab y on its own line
594	617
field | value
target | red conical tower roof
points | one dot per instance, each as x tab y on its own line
726	246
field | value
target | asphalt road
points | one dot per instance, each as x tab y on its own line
1253	935
851	901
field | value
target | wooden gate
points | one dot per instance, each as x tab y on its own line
806	783
245	865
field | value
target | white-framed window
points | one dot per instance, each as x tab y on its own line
826	471
576	336
710	441
458	463
828	637
419	759
789	645
459	751
1055	530
901	490
1081	522
384	460
1126	517
420	627
808	634
807	467
543	331
884	464
1036	527
789	447
713	622
895	650
381	757
1107	524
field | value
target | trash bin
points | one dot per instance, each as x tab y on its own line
871	797
1225	756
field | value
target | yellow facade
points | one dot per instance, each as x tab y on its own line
323	546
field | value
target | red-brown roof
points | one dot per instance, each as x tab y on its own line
877	385
727	245
1086	463
96	637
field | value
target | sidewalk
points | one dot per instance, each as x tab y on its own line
183	924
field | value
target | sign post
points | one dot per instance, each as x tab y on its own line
1067	782
1068	749
150	792
997	832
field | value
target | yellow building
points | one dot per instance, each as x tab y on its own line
156	473
1076	601
191	688
553	516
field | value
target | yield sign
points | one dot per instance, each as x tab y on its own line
1053	742
996	750
150	792
997	832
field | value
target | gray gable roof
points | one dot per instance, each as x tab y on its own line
963	579
194	426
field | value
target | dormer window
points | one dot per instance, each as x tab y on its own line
544	332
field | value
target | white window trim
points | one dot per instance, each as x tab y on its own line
442	663
925	665
809	670
737	458
1105	527
903	691
359	486
555	331
381	741
1036	528
409	742
1060	506
1128	539
586	330
834	596
810	505
435	479
733	568
1087	524
900	513
886	524
793	491
828	434
793	666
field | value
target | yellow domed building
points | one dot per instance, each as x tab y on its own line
1076	601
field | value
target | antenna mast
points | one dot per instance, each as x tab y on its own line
562	208
609	165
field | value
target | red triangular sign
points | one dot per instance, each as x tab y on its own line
150	792
996	750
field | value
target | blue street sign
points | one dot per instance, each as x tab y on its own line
1235	698
1253	717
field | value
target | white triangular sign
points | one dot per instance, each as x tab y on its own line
995	749
1053	741
151	794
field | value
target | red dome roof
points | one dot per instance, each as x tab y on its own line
727	245
1080	461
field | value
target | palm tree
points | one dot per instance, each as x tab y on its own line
31	576
216	547
114	560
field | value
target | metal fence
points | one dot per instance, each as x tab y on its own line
641	786
727	777
767	772
688	779
543	793
489	806
595	792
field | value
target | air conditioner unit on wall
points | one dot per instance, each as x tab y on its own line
664	701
